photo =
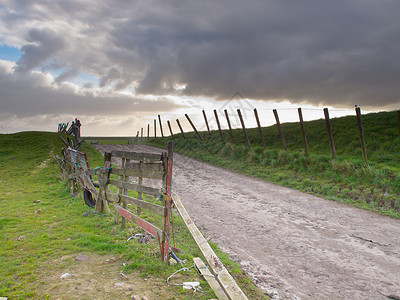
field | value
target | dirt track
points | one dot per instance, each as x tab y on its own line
293	245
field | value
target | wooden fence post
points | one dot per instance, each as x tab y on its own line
398	119
280	129
148	130
205	120
169	126
229	125
159	120
361	130
219	126
303	131
194	128
155	128
141	134
180	127
259	128
329	129
244	127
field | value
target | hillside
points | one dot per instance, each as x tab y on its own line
374	185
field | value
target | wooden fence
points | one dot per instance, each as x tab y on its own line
143	167
129	178
262	139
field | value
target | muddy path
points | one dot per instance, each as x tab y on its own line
293	245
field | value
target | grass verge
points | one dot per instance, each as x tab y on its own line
40	223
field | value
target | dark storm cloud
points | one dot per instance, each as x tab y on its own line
25	95
322	52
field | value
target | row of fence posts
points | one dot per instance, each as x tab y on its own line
282	137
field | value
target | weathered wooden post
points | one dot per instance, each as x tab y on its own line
155	128
259	128
159	120
398	119
361	130
278	123
219	126
141	134
194	128
169	126
148	131
205	120
101	203
244	127
303	131
329	130
229	125
180	127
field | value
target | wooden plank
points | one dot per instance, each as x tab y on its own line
148	227
228	284
158	209
138	173
209	277
138	156
136	187
148	166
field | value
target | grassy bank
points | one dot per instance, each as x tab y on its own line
41	224
374	185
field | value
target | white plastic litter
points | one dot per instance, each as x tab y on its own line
191	285
65	275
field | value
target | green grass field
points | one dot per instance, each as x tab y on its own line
40	223
374	185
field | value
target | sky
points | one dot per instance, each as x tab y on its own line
117	65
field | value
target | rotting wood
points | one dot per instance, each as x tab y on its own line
243	127
180	128
229	125
209	277
150	157
101	203
148	227
303	131
194	127
158	209
170	129
148	131
259	128
138	173
119	192
228	284
219	126
329	130
278	123
362	138
155	128
206	121
126	180
159	121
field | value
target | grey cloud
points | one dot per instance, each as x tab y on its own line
316	51
44	43
25	95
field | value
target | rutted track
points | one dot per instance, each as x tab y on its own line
293	245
